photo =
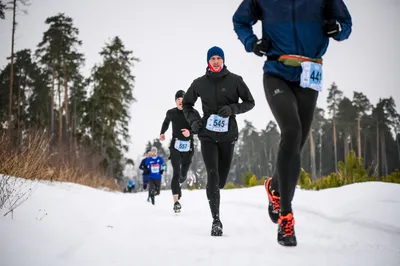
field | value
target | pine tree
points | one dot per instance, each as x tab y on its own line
108	107
271	146
346	116
246	147
58	53
362	105
317	125
77	102
333	100
27	79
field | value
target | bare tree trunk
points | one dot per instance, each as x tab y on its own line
365	150
398	144
377	149
67	135
266	156
12	65
52	102
335	144
92	146
384	157
42	122
23	100
312	157
75	144
346	145
359	138
252	145
18	109
351	144
60	120
320	153
271	164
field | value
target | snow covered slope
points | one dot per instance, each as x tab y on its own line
353	225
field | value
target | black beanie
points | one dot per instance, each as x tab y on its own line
179	94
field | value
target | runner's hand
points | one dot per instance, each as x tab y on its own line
162	137
196	126
225	111
332	27
260	47
185	132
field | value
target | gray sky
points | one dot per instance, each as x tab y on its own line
172	37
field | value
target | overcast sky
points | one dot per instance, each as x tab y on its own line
171	39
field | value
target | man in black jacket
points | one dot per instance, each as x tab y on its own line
219	91
181	146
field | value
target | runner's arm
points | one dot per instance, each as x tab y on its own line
340	13
142	165
247	99
165	124
190	98
243	20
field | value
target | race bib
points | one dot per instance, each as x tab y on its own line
217	124
311	76
155	168
182	146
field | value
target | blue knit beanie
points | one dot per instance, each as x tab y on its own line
215	51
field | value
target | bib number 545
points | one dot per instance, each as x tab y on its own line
219	123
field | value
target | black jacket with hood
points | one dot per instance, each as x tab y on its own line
217	89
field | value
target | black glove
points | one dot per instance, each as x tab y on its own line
260	47
225	111
196	126
331	27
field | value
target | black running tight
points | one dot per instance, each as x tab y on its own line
217	158
293	108
180	163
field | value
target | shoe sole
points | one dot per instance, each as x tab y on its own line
217	233
287	244
266	185
274	219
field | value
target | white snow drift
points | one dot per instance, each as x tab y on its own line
68	224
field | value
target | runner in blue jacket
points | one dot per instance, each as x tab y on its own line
295	37
155	164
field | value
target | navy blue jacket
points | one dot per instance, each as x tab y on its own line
293	26
143	167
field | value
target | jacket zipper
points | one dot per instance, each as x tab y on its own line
216	99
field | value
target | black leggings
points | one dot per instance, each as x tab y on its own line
154	187
217	158
293	108
180	163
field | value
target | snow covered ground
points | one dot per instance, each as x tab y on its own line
354	225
